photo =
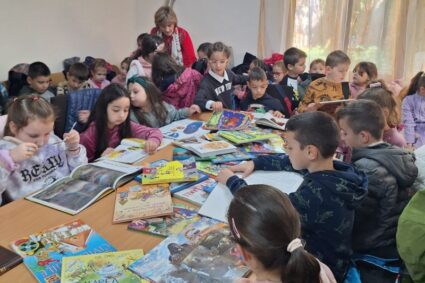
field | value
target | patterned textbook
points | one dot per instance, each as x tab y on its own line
147	201
104	267
166	226
43	252
202	252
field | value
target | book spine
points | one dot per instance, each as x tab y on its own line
9	265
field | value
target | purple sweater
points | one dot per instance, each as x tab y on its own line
88	138
413	113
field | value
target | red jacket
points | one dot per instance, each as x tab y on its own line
188	52
182	92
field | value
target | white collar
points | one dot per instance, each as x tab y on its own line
217	77
375	143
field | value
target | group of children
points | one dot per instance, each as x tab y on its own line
341	208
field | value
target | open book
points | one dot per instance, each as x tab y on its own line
228	120
205	148
86	184
267	119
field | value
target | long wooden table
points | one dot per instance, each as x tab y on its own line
22	218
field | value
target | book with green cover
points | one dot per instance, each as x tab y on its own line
104	267
228	120
241	137
171	171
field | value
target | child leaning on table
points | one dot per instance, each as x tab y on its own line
330	190
31	156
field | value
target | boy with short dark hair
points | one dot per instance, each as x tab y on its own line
294	61
77	77
257	84
330	190
38	81
328	88
391	172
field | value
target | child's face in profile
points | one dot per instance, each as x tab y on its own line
74	83
218	62
123	69
167	29
99	74
117	111
258	88
360	78
318	68
297	156
298	68
39	84
347	135
37	131
337	74
138	95
278	74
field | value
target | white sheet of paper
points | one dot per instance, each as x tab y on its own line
218	202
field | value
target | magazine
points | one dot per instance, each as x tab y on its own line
104	267
86	184
228	120
43	251
198	193
267	119
167	261
166	226
147	201
184	129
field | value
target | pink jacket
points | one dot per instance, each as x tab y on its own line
140	68
355	90
182	92
88	138
104	84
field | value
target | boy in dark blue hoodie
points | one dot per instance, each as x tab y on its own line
329	193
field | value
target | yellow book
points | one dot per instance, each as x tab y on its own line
171	172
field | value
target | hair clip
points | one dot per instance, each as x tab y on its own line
235	229
294	244
373	85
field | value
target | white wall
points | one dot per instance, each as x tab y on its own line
52	30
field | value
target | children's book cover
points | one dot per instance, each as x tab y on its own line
197	194
164	262
104	267
211	168
271	146
236	156
146	201
184	129
166	226
171	171
240	137
177	187
43	252
228	120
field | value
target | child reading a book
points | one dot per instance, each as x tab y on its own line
379	93
257	85
98	72
330	190
328	88
31	156
148	108
391	172
413	112
266	229
109	123
216	89
363	74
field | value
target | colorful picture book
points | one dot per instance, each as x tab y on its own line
198	193
43	251
85	185
231	157
147	201
228	120
173	260
241	137
267	119
205	148
166	226
8	260
177	187
184	129
211	168
180	153
104	267
170	171
270	146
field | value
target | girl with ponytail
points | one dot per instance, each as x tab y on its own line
266	228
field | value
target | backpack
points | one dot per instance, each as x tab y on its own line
411	236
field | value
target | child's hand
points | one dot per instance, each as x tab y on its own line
246	168
23	151
224	175
83	116
277	114
312	107
151	146
107	151
194	109
71	139
217	106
